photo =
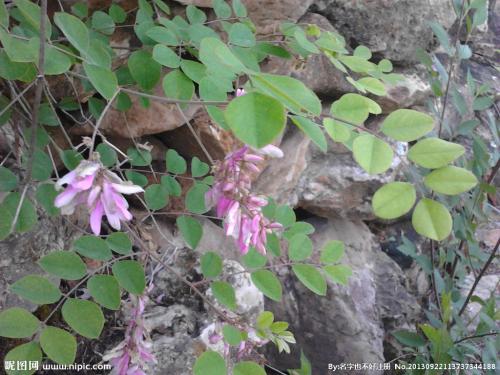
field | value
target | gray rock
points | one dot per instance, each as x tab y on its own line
393	28
351	322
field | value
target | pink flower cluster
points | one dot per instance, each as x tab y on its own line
133	354
100	190
234	202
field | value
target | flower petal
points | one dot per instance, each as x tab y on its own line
65	197
96	218
127	188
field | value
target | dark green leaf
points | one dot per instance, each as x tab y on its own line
268	284
144	69
92	247
211	264
191	230
105	290
17	323
224	293
130	276
36	289
85	317
29	353
64	264
120	243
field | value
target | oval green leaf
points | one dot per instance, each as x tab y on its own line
311	278
407	125
431	219
372	154
105	291
268	284
59	345
450	180
393	200
130	275
64	264
85	317
434	152
17	323
36	289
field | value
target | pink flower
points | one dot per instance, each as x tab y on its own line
240	92
231	195
100	190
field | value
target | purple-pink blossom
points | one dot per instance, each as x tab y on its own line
100	190
233	201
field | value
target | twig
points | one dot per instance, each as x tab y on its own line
17	97
476	336
101	117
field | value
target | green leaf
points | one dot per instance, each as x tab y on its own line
103	79
175	163
8	180
17	49
85	317
268	284
195	15
136	178
92	247
105	290
255	119
285	215
312	130
117	13
450	180
120	243
337	130
139	157
332	252
194	70
195	198
4	15
64	264
177	85
431	219
191	230
218	57
29	353
224	293
409	338
75	31
303	43
393	200
232	335
311	278
300	247
265	320
59	345
166	57
211	264
222	9
298	227
145	71
239	8
130	275
162	35
434	152
291	92
372	85
199	168
248	368
338	273
42	166
56	62
27	217
210	363
253	259
107	154
45	196
71	158
172	186
372	154
156	196
482	103
103	23
241	35
6	220
407	125
354	108
36	289
17	323
80	10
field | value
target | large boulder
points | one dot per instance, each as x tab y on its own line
350	323
393	28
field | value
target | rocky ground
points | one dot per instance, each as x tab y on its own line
386	292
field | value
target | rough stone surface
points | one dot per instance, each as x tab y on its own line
393	28
350	323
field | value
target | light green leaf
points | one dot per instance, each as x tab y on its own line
435	152
119	242
254	259
92	247
130	276
36	289
268	284
117	13
139	157
172	186
29	353
210	363
8	180
59	345
105	290
64	264
191	230
85	317
162	35
222	9
264	320
195	198
312	130
450	180
103	79
31	13
166	57
224	293
103	23
372	85
300	247
372	154
311	278
241	35
232	335
337	131
195	15
354	108
156	196
145	71
199	168
431	219
177	85
407	125
136	178
291	92
239	8
175	163
393	200
211	264
4	15
75	31
194	70
338	273
17	323
248	368
107	154
218	57
255	119
332	252
409	338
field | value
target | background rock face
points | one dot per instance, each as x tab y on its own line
394	28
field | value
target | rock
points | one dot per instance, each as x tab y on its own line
326	184
216	140
488	286
350	323
392	28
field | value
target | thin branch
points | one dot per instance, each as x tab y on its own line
18	96
476	336
173	101
101	117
